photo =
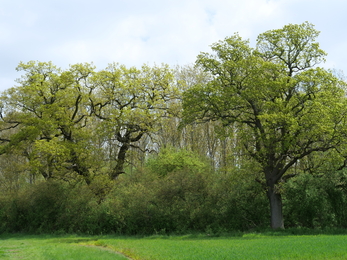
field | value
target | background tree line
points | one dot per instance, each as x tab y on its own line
245	135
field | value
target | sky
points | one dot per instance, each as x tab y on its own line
134	32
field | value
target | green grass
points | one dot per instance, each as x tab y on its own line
53	248
248	246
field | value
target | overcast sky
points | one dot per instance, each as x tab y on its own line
133	32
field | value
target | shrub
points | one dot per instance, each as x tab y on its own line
306	202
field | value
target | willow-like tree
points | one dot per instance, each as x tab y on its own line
282	104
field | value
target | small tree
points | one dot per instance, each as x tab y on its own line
282	106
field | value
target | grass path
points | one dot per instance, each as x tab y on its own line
107	248
54	248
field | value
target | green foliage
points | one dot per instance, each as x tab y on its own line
169	160
168	199
39	206
180	201
283	107
75	144
52	207
48	112
130	104
317	199
190	197
62	119
307	203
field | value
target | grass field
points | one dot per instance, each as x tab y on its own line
248	246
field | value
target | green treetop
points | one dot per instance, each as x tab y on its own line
283	106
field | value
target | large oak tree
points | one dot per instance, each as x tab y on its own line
282	105
63	121
48	114
130	103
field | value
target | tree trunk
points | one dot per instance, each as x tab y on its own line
275	200
125	140
119	169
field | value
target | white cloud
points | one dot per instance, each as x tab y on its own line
134	32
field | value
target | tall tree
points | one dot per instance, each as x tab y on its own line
283	106
49	110
130	103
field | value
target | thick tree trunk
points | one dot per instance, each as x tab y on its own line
119	169
125	140
275	200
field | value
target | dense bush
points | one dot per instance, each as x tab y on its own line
187	196
306	203
316	201
178	195
52	207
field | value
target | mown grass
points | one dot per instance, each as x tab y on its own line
189	247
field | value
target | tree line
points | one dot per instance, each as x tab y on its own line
243	136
